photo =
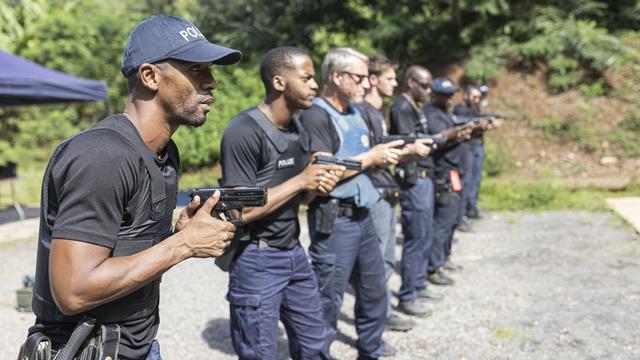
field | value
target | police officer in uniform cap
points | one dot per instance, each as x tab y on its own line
446	176
107	202
272	279
344	245
469	108
417	194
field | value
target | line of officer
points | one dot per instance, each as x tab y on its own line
272	279
382	77
344	245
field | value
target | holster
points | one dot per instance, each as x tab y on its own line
87	342
390	194
444	194
407	175
326	214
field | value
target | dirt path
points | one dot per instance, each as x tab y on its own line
555	285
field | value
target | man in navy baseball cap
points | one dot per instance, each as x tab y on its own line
119	179
443	86
170	37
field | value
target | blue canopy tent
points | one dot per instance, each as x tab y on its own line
23	82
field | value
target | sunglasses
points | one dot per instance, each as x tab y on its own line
424	85
357	78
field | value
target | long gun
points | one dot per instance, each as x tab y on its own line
347	163
438	141
231	200
463	119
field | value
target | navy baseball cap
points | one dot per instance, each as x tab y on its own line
443	86
170	37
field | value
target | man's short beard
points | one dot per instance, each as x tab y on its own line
184	115
293	100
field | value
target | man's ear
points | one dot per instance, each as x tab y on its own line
373	80
278	83
149	75
336	78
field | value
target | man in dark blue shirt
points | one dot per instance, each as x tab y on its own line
448	161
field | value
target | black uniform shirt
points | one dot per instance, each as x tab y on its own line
94	179
405	120
374	118
243	152
448	157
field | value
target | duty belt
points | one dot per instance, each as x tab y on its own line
390	194
349	209
423	173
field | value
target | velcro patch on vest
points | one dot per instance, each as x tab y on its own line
285	163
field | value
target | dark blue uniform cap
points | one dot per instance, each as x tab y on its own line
443	86
484	90
170	37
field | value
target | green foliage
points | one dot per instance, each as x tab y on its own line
627	134
497	160
496	194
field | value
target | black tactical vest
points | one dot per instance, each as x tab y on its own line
146	221
286	155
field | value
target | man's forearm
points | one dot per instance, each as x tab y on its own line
278	196
92	284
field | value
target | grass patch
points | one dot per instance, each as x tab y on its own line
27	186
504	333
499	194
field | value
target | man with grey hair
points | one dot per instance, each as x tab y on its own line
344	246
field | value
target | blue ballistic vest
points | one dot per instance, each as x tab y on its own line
354	139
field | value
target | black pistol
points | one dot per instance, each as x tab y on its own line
438	141
231	199
349	164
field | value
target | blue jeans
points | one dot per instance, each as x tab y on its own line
384	219
351	254
266	285
154	352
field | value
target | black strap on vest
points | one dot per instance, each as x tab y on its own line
121	125
273	134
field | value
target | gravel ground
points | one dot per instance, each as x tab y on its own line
555	285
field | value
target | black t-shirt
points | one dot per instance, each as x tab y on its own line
244	151
374	118
449	156
404	121
94	179
322	134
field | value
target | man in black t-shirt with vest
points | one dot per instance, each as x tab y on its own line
107	202
272	279
417	194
